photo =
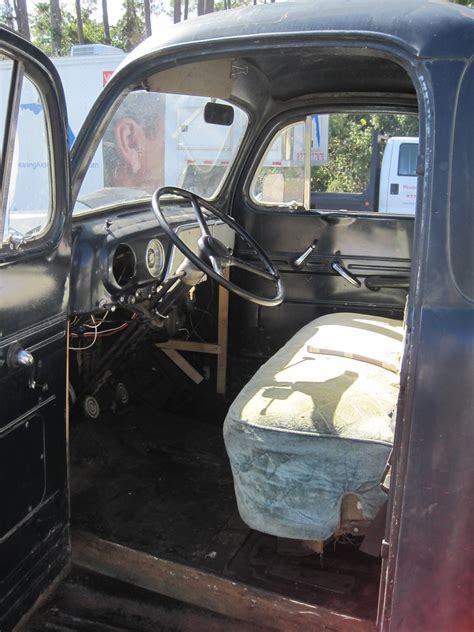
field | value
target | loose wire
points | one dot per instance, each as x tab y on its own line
91	344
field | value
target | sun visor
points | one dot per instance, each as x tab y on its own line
208	79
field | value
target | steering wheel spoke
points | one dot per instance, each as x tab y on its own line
214	257
253	269
200	217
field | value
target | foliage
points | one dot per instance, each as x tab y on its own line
41	34
350	149
130	30
7	15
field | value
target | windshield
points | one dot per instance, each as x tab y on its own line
157	139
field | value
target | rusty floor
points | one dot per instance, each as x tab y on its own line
161	483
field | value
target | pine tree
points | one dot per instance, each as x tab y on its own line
177	11
105	19
80	26
147	8
22	21
56	32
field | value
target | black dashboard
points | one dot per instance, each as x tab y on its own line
123	257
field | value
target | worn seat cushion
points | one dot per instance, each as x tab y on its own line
315	423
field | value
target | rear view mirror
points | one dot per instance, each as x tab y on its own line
218	114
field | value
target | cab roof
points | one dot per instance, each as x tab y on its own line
429	28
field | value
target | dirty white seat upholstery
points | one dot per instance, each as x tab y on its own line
315	424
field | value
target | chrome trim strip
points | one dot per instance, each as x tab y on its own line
19	420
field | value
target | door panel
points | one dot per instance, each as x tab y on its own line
375	249
34	273
23	482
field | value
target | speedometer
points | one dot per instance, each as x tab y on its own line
155	257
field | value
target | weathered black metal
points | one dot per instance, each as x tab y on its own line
34	281
404	56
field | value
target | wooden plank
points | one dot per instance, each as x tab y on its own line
189	345
190	585
184	365
222	336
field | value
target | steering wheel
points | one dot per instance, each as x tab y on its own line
214	257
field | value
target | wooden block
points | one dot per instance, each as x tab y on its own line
184	365
189	345
222	338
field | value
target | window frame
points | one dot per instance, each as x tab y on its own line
283	121
78	212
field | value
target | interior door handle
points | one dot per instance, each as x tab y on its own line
300	261
348	276
18	357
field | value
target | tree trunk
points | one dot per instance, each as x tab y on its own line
56	36
147	8
200	7
105	19
177	11
186	9
208	6
21	12
80	26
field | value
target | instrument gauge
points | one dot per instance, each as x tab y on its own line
155	257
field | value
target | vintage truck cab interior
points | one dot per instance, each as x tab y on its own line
231	381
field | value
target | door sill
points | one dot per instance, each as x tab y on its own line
206	590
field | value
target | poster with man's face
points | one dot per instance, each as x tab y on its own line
133	146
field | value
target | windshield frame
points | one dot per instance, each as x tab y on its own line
127	78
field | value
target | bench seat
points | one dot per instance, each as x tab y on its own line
315	424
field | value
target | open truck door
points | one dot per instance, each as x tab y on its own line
34	273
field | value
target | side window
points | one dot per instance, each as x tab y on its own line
28	207
407	159
334	161
25	165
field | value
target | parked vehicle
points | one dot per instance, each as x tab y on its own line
397	189
330	343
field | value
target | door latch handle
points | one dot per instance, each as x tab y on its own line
18	357
300	261
348	276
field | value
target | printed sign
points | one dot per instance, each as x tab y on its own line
106	74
